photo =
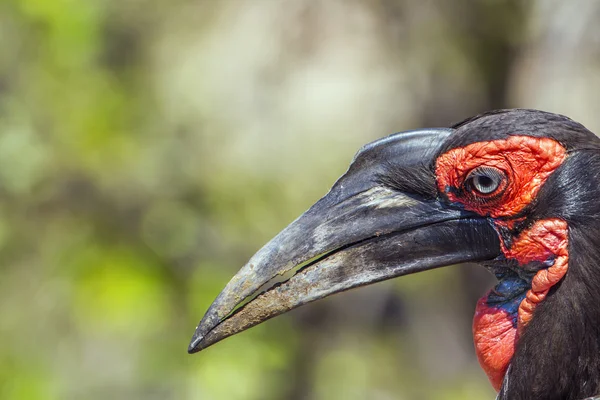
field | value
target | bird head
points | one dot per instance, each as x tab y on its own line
512	190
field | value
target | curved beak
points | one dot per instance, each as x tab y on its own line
362	231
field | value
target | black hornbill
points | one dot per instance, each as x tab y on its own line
516	191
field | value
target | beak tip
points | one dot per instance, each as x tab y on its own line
195	344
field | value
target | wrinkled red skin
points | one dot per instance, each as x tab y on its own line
494	331
526	162
495	338
546	239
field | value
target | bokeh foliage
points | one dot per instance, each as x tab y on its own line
148	148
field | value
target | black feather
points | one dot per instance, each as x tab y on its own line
558	355
500	124
416	179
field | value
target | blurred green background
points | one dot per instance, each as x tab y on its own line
149	148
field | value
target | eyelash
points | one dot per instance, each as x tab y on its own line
493	176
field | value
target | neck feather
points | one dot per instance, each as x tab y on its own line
558	354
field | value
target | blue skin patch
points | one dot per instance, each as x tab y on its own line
508	293
513	283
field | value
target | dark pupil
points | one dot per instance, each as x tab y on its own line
485	184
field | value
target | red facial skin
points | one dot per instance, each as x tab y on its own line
494	331
526	162
495	338
544	240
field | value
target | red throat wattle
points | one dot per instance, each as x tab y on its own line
526	163
495	330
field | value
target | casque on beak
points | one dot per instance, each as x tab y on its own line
362	231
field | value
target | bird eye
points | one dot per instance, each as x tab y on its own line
484	180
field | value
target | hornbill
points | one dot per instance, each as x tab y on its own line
516	191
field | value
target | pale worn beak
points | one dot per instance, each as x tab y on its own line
362	231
